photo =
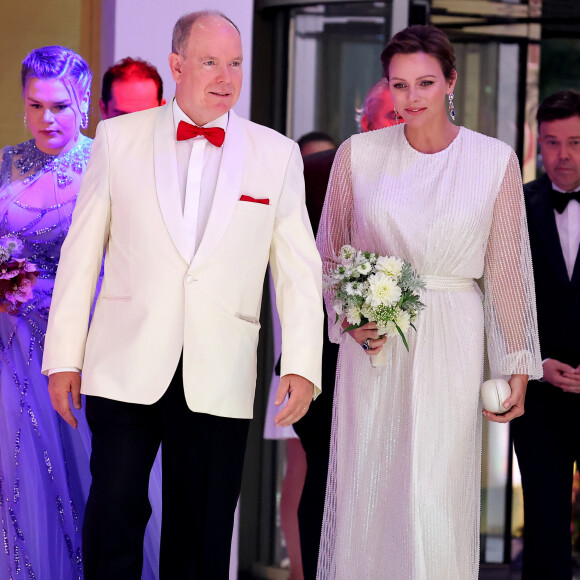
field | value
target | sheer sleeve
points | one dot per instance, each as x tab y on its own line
335	229
510	300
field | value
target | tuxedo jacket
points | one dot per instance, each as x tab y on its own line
317	169
557	297
153	302
314	428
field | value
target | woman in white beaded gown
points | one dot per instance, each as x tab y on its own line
404	475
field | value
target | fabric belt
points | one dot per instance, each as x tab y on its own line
452	283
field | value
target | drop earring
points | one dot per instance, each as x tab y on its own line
451	107
84	120
397	116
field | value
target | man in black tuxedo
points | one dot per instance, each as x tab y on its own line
314	428
547	436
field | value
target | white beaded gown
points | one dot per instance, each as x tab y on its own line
404	477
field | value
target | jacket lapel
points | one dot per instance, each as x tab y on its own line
166	181
542	212
227	192
576	271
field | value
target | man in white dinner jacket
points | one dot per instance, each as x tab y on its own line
189	225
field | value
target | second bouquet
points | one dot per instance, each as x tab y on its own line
367	287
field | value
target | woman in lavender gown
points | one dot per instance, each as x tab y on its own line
44	467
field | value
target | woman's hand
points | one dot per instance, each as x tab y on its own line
367	332
515	402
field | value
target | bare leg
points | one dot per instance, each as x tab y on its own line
291	492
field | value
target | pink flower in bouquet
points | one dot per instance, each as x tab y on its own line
30	267
20	292
17	276
9	270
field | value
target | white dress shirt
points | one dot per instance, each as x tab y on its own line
568	224
198	165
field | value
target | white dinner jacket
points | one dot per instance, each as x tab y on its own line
153	303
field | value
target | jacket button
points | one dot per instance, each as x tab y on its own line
189	279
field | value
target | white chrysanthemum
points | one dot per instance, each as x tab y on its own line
365	268
367	311
391	329
347	254
353	314
381	328
383	290
389	265
403	320
13	245
337	305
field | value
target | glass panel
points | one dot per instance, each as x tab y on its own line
334	59
493	491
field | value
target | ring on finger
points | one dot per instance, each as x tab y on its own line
366	344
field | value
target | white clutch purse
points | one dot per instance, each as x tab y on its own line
493	394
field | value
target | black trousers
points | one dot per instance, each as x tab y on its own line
201	469
547	442
314	432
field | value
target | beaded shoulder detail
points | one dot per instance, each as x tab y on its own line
30	162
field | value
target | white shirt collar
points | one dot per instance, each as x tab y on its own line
179	115
556	188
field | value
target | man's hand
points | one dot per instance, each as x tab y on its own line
59	387
562	375
300	391
515	402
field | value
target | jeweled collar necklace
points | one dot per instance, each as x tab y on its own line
32	161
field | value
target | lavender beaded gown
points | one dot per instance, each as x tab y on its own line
44	463
44	470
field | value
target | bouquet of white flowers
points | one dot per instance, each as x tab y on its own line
372	288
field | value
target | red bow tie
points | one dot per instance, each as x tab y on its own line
215	135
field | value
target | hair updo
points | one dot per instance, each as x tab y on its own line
59	63
421	38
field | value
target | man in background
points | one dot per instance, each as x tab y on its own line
546	437
378	110
315	142
314	429
130	85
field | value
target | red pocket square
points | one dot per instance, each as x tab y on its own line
264	200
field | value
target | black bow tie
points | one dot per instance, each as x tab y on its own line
560	200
